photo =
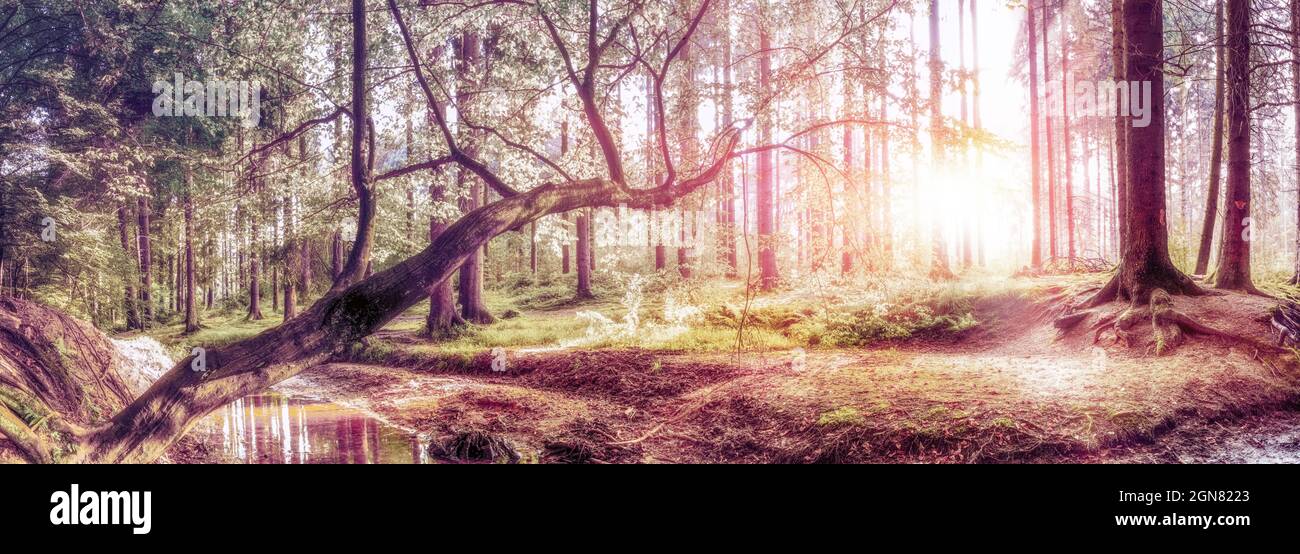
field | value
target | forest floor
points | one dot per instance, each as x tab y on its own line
980	376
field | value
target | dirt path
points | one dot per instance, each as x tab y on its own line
1014	391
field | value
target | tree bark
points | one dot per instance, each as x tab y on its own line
191	315
129	298
1051	147
443	317
1295	91
1216	142
358	262
767	267
1068	167
473	308
146	262
1036	179
1234	249
584	255
1119	53
179	399
1146	267
728	181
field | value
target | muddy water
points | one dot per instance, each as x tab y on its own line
272	428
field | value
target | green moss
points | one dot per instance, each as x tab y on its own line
845	416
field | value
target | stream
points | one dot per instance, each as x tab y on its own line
274	428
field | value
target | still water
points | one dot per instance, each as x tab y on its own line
272	428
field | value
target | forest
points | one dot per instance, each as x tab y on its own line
639	232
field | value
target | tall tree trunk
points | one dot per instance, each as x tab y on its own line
728	181
1119	59
443	317
146	261
850	226
1295	92
767	269
1036	179
358	262
939	268
1051	147
583	254
191	315
967	223
532	248
1068	167
978	121
304	268
291	263
1145	267
473	308
886	233
1216	143
1234	250
129	297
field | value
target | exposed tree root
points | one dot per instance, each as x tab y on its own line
1170	328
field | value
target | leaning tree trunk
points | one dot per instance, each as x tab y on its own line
1216	143
57	374
175	403
1234	249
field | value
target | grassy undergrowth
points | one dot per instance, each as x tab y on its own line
706	316
693	316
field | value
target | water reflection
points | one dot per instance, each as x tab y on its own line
271	428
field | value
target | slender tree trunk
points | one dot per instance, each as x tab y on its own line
146	262
1119	58
850	226
1068	167
767	268
191	315
470	284
532	248
443	317
358	261
1234	250
939	251
1295	92
1036	250
291	264
728	181
886	233
1051	149
967	231
129	298
583	255
1216	144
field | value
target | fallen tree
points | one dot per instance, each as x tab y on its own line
142	430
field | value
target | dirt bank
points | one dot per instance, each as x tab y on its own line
1017	391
